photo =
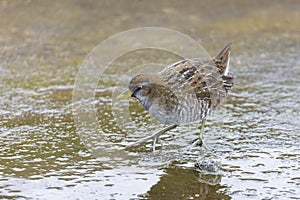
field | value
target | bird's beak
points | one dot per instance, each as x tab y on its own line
125	95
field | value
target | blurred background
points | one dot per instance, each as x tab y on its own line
43	43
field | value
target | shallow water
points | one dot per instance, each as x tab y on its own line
255	133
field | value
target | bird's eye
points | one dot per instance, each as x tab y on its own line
139	88
136	90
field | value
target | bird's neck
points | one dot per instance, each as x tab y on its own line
146	103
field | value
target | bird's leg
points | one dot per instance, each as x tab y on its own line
201	143
201	131
199	140
155	137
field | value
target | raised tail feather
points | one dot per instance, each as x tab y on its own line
222	60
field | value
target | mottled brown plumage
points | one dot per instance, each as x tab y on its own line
186	91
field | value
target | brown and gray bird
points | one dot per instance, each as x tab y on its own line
185	91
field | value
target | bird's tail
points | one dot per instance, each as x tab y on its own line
222	60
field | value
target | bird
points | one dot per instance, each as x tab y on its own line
184	92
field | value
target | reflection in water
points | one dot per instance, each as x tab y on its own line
181	183
255	133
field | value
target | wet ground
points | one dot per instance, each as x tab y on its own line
254	134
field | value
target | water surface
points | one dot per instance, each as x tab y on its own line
255	133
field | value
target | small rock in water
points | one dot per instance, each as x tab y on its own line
208	165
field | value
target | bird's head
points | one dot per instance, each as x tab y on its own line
140	87
150	90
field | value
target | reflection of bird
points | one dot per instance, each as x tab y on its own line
186	91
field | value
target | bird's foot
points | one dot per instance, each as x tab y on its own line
199	142
154	137
155	140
